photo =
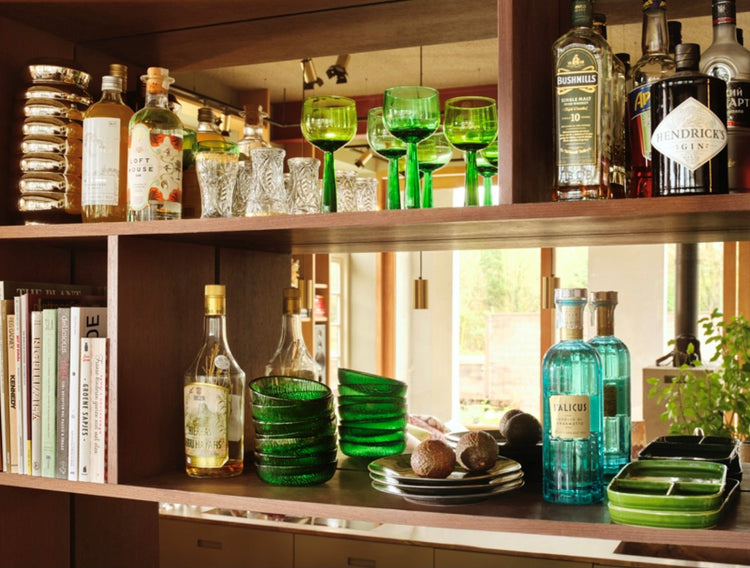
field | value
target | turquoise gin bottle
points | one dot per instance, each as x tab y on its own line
615	359
572	413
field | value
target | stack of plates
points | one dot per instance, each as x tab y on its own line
530	457
394	475
51	149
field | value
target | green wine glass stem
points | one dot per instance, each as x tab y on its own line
472	191
393	199
487	190
329	184
427	190
411	190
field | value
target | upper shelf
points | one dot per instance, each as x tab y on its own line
592	223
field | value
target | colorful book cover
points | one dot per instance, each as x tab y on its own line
48	407
100	408
63	392
84	415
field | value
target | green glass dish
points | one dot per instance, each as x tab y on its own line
293	413
310	459
289	391
295	446
380	423
368	410
354	449
296	476
322	426
365	436
345	399
370	384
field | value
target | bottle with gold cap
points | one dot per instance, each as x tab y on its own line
292	359
214	398
155	154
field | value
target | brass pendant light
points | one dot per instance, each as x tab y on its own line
420	289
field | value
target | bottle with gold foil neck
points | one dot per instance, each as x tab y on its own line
214	398
615	359
572	409
292	359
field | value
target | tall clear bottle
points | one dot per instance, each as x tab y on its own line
615	359
207	129
292	358
572	409
655	64
728	60
214	398
155	154
105	155
583	138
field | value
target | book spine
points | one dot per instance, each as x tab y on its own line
63	392
4	388
48	436
24	435
84	415
100	407
13	395
36	393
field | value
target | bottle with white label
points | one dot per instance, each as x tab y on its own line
214	399
155	154
689	136
572	409
105	153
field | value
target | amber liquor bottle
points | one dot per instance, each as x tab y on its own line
689	138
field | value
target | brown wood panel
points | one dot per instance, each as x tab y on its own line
385	346
34	528
115	533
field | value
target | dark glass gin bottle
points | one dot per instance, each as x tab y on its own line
689	138
615	359
572	409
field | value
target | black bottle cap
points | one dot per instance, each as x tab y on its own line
674	28
687	56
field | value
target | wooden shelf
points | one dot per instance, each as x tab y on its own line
592	223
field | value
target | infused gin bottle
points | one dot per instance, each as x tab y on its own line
214	398
615	359
155	154
572	409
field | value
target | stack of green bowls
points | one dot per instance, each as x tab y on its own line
372	414
295	430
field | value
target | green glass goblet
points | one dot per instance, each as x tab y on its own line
432	153
389	147
329	123
470	124
487	167
411	114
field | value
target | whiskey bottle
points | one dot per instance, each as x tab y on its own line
105	155
655	64
689	139
214	398
292	359
155	154
615	359
583	69
572	470
726	59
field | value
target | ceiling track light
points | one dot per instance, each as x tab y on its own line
338	69
310	75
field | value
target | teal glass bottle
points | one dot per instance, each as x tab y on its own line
615	359
572	409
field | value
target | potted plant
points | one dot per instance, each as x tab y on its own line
716	400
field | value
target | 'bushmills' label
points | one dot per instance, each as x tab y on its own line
690	135
570	416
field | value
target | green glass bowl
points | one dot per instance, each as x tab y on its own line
372	450
322	426
368	436
319	458
295	446
289	391
292	413
346	399
371	410
369	384
384	423
298	475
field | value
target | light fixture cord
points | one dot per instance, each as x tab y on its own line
421	73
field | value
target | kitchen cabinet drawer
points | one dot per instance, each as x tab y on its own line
456	558
324	552
188	544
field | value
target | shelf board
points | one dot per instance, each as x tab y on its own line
592	223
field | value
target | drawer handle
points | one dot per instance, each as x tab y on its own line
215	544
360	562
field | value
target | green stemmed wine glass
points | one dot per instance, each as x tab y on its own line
487	167
391	148
329	123
411	114
470	124
433	153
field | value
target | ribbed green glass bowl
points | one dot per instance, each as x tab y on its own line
355	449
321	426
292	413
372	410
297	476
295	445
359	383
367	436
289	391
384	423
311	459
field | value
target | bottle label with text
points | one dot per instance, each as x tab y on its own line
206	423
570	416
639	105
154	167
101	162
